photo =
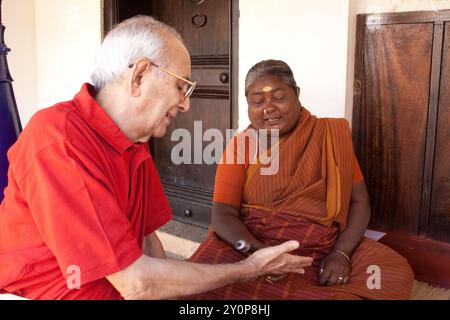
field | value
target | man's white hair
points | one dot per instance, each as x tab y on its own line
134	38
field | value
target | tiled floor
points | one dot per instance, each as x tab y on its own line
180	240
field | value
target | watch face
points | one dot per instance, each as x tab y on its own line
242	246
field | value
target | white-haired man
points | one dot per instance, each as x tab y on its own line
84	194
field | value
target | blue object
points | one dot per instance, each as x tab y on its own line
8	136
10	126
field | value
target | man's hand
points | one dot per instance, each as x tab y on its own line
334	270
276	260
153	278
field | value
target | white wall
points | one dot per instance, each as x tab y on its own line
54	43
378	6
19	19
68	34
311	36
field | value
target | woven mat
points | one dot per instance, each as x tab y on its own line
423	291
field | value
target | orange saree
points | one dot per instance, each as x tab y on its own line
307	200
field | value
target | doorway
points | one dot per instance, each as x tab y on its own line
210	31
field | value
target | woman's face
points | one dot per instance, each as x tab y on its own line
280	102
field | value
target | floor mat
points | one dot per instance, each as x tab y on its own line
423	291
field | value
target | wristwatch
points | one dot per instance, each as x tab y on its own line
245	247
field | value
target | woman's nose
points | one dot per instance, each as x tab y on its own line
269	108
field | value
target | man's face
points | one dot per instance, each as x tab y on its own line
162	95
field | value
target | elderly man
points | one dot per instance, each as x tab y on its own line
84	196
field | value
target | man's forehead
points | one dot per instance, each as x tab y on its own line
182	61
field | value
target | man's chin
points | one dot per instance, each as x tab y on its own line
159	134
144	139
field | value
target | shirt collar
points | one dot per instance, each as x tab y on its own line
99	120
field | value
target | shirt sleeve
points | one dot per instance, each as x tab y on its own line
77	215
230	176
357	173
160	210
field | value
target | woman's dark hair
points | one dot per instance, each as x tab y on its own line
270	68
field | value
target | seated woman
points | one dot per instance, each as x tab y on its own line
317	196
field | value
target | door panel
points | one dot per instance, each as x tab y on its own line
393	121
440	200
205	27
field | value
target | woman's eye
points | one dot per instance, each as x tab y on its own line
279	98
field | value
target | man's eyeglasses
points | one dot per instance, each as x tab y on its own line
187	89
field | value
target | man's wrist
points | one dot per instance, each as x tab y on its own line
248	270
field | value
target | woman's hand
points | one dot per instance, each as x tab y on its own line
334	269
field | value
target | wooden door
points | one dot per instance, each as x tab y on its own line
401	124
439	222
390	124
209	29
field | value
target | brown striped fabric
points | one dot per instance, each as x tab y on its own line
316	240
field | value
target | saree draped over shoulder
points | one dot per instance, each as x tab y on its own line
307	200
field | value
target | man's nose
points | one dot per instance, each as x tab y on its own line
184	105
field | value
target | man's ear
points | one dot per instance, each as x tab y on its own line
139	68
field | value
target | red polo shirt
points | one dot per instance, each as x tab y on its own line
80	196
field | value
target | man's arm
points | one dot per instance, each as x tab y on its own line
153	247
152	278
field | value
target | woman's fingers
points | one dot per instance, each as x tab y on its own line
346	279
333	271
334	278
326	274
338	277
